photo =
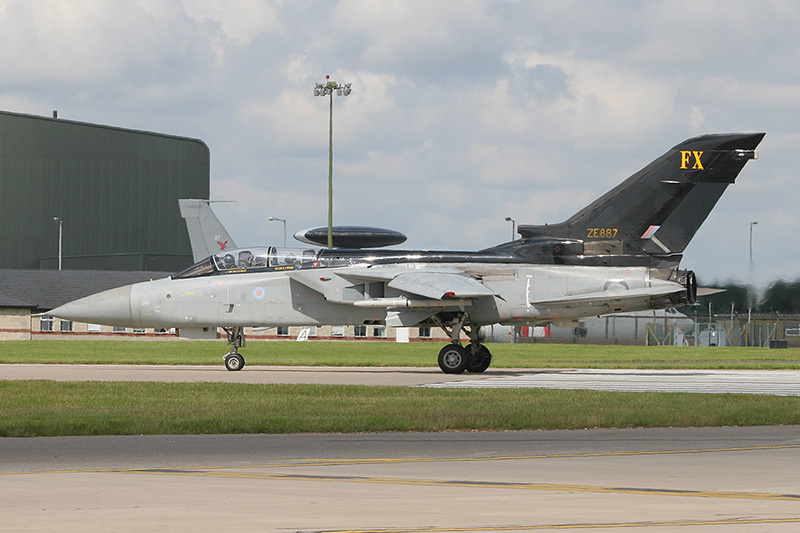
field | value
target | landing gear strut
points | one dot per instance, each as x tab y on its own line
234	361
455	358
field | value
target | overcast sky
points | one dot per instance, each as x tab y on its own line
462	112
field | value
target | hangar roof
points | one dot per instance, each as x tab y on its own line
43	290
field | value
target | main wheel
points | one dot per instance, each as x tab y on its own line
234	361
453	359
480	360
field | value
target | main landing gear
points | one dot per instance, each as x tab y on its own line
455	358
234	361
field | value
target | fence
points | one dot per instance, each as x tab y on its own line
743	329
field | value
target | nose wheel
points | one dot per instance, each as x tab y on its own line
233	360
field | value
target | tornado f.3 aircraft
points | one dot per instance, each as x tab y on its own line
621	253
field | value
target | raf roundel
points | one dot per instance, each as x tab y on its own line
258	293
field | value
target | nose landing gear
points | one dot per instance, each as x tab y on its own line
233	360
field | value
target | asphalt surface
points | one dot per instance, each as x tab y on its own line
672	479
708	479
776	382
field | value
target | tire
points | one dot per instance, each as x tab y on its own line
234	362
480	361
453	359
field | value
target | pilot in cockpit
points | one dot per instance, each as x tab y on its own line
245	259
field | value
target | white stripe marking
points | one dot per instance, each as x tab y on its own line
771	382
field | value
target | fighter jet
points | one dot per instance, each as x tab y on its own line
621	253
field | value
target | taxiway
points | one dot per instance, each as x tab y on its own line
776	382
672	479
739	479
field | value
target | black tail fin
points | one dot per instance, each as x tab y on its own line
658	210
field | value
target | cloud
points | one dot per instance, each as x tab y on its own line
462	112
238	23
625	102
98	42
782	219
422	39
697	117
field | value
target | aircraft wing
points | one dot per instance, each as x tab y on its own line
423	291
607	298
433	285
437	285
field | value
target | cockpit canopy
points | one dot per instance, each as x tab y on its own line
251	259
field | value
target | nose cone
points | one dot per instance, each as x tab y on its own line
111	308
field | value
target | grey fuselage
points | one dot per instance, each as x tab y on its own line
297	287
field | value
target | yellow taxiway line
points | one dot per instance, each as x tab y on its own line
237	472
680	523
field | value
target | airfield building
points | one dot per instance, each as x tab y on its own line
108	195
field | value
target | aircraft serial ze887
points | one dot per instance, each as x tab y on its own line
621	253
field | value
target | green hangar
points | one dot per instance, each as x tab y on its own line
95	197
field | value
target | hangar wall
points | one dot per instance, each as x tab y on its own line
116	191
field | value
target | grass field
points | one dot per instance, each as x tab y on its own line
47	408
327	353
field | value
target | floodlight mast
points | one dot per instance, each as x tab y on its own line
327	89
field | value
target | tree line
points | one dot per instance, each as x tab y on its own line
780	296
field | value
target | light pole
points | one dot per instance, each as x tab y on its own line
271	219
513	228
752	285
60	228
327	89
